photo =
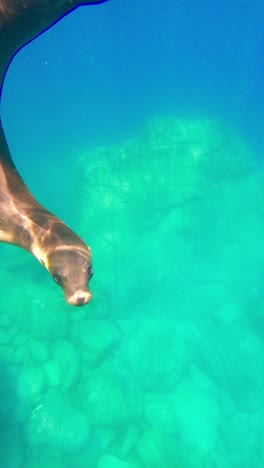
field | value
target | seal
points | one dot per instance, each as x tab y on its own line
23	221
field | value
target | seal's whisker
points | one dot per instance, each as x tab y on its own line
103	298
104	301
52	298
108	292
59	305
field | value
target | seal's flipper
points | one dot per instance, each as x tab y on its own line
20	22
23	20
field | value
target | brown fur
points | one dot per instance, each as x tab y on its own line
23	221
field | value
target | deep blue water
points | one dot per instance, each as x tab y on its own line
101	72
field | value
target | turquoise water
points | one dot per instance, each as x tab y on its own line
142	128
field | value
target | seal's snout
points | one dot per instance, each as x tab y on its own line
71	269
79	298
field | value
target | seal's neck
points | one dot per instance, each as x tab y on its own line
23	221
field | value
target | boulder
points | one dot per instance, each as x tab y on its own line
56	422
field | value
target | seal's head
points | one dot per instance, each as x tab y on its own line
71	269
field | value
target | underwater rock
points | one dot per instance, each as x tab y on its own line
228	313
156	449
245	370
156	356
46	323
231	356
4	338
22	350
190	414
109	401
123	442
127	326
109	461
5	320
169	242
14	307
63	369
22	410
53	373
207	355
159	410
170	163
30	382
232	432
44	462
57	423
13	332
197	416
7	354
203	299
194	456
21	356
12	447
96	339
257	432
208	143
39	350
171	156
166	199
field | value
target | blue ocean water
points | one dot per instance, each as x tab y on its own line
140	124
122	63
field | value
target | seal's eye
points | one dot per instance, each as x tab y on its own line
57	278
90	272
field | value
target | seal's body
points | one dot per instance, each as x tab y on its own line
23	221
